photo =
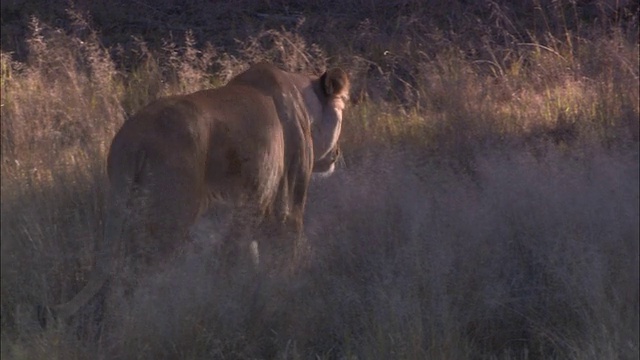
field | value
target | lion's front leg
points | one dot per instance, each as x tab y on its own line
297	245
280	230
276	243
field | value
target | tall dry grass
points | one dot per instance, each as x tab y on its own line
487	206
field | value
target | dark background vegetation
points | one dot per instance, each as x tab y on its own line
486	206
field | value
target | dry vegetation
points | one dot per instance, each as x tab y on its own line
487	206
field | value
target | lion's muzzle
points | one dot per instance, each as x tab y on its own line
326	165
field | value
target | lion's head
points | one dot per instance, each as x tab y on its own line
327	123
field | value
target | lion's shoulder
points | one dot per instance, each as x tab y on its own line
268	79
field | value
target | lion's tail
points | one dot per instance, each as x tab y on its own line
118	201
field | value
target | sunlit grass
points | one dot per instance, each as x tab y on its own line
487	206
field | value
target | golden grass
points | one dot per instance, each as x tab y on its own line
487	207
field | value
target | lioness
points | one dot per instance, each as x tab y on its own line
252	143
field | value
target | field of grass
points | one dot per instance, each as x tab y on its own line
487	206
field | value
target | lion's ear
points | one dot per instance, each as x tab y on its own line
335	82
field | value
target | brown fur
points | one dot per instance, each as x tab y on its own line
250	144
